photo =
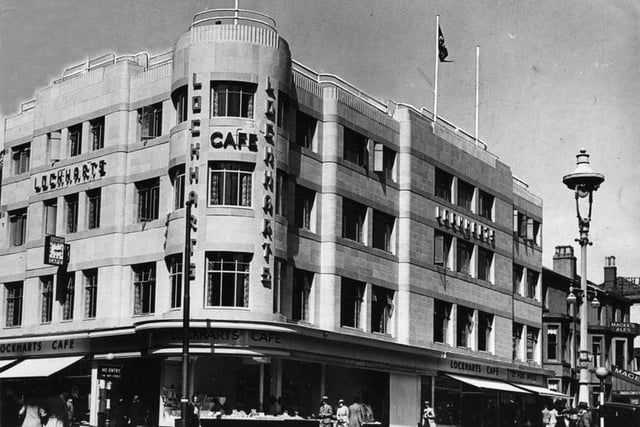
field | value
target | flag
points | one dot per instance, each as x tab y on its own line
442	49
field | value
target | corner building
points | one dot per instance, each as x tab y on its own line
342	245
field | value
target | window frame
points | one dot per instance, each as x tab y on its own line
465	195
443	183
74	139
486	335
71	208
464	330
465	267
485	270
144	289
174	267
46	299
148	200
381	309
306	129
68	305
442	321
236	264
178	182
96	130
300	295
304	209
150	121
21	158
224	90
484	199
351	299
94	208
14	300
90	290
553	350
354	216
355	148
18	227
387	222
243	195
50	216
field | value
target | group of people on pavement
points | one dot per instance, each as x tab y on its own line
571	417
34	410
353	415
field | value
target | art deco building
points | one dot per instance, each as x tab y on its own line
344	245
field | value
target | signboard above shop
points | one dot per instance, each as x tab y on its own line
625	328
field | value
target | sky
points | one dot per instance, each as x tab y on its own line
555	76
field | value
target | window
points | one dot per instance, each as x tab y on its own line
355	148
13	310
463	258
485	331
281	193
69	287
305	130
441	321
485	205
532	344
552	342
144	289
596	349
537	235
352	293
18	227
52	148
389	164
75	140
442	254
148	199
465	194
283	106
381	309
517	341
518	272
175	277
228	279
443	183
353	216
304	212
230	184
96	127
94	202
620	353
90	293
520	226
532	284
279	277
150	121
46	299
485	265
302	281
465	327
232	100
71	208
178	188
21	157
180	104
383	231
50	216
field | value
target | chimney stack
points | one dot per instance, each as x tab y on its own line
610	273
564	261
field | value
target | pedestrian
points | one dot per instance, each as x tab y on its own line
30	412
584	415
355	413
118	413
549	415
325	413
10	409
136	413
342	414
428	415
193	412
56	411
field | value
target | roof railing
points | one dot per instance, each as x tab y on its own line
232	16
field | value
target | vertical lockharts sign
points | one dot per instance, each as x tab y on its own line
268	181
194	158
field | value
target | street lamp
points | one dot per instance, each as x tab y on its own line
584	181
602	373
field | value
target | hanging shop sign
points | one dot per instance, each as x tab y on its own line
69	176
237	141
469	228
56	252
626	375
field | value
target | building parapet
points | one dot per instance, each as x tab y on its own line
234	25
521	188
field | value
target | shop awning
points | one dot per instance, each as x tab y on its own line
35	368
542	391
4	363
488	384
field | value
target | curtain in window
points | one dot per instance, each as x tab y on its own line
216	188
245	189
137	299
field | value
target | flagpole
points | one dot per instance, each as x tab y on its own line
435	85
477	89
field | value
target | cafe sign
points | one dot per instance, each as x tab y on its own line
44	347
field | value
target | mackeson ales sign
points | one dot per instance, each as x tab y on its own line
625	375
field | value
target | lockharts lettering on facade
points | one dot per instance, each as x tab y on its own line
320	267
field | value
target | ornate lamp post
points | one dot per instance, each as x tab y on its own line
602	373
584	181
